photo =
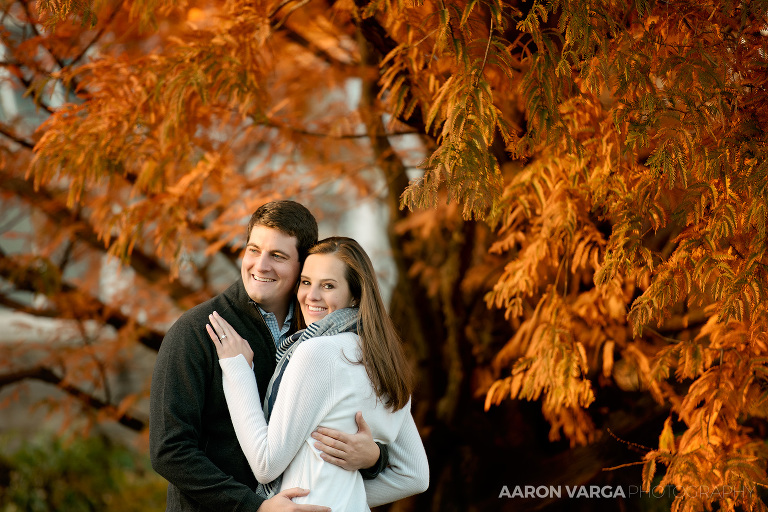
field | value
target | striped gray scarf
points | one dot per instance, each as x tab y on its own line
341	320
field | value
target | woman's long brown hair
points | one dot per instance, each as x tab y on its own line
382	352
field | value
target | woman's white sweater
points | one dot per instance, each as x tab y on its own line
323	386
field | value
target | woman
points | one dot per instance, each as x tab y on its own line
348	359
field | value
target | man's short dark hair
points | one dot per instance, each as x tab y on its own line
289	217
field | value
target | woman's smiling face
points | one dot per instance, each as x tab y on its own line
323	287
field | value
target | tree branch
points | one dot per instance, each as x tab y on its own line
19	74
29	279
15	138
98	35
271	123
53	205
20	307
299	5
380	40
321	53
45	374
33	26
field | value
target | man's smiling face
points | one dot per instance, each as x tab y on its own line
270	268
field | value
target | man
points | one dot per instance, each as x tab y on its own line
192	440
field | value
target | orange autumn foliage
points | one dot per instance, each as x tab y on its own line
576	192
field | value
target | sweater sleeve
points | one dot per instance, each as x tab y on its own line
408	471
176	425
305	396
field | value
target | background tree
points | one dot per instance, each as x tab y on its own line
586	230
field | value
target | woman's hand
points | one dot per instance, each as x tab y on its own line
227	342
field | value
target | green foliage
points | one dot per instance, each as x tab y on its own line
78	475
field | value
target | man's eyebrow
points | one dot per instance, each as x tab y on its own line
276	251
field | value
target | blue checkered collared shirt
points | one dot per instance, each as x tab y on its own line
278	334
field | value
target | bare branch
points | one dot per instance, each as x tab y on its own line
19	74
321	53
16	138
98	35
45	374
294	8
33	26
55	207
29	279
282	126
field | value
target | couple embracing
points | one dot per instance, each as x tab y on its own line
256	393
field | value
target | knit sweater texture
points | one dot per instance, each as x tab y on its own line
323	385
192	440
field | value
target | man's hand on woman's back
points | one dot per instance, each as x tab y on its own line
349	451
281	502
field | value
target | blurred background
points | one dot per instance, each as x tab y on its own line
565	204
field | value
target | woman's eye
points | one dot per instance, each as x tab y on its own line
328	286
304	282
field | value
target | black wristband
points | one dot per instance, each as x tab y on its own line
381	464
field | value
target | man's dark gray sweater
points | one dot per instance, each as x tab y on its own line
191	438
